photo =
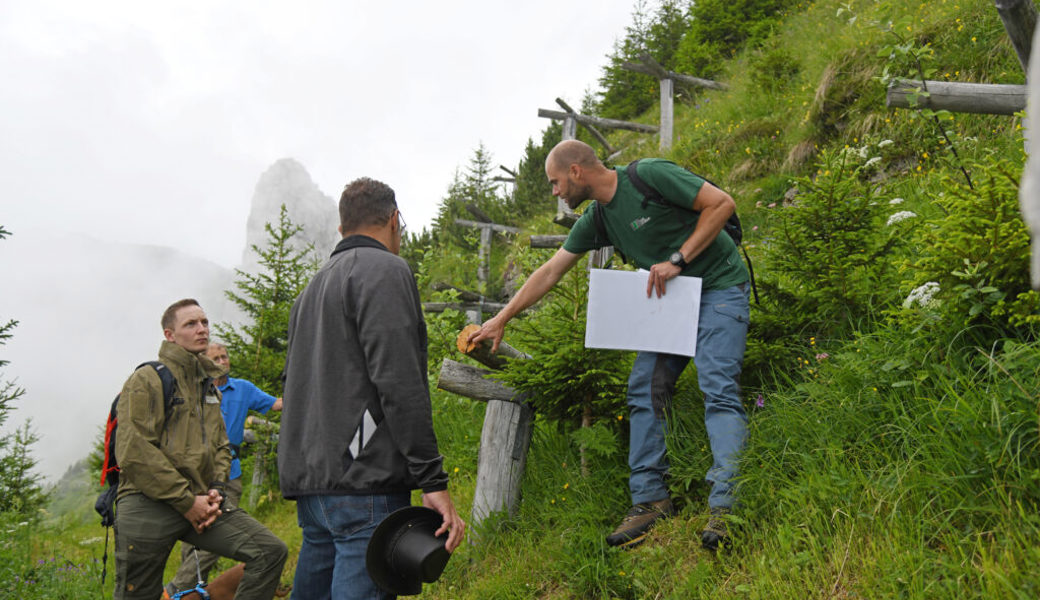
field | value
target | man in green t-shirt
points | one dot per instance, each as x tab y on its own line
682	236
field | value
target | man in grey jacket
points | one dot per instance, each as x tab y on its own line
357	432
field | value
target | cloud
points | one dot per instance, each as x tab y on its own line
150	123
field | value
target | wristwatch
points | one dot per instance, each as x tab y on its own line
677	259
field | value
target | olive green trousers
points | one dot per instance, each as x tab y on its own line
146	531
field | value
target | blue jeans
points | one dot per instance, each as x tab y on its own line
336	530
721	339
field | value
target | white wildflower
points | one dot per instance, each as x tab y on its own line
91	541
872	161
884	143
922	295
895	201
900	216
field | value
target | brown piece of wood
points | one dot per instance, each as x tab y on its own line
1019	18
462	341
481	351
978	98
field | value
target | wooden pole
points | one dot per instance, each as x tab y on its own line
484	307
469	381
492	226
590	128
547	241
597	121
504	439
1019	18
979	98
475	314
650	66
1029	190
564	214
504	442
483	255
667	113
480	215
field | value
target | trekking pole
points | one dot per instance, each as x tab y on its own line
200	587
198	564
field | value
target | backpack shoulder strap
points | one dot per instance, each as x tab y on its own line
648	192
169	383
601	230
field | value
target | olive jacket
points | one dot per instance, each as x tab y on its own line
172	458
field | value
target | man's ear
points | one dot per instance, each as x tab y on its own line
575	171
168	334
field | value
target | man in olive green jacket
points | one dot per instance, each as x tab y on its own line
174	463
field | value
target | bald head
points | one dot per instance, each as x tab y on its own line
572	152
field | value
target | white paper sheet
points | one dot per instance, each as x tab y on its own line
621	317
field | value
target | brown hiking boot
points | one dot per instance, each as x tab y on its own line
716	532
637	523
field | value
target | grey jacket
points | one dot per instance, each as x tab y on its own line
356	417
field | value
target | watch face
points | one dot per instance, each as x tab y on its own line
676	259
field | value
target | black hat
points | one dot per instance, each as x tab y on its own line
403	553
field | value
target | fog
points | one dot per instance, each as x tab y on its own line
133	135
88	313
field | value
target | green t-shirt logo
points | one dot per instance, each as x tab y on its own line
639	223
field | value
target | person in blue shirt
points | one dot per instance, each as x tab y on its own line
239	396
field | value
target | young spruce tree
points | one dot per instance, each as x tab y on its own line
257	346
20	490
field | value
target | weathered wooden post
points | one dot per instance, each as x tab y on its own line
506	435
588	127
1029	191
667	80
1019	18
486	227
667	113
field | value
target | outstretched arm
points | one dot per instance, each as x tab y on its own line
536	286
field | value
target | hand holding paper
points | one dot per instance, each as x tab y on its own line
622	317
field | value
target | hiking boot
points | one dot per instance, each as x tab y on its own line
715	532
637	523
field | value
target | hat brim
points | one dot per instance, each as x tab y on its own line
375	556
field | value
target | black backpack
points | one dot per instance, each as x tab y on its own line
732	226
105	504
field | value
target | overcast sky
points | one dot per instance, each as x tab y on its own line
150	122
